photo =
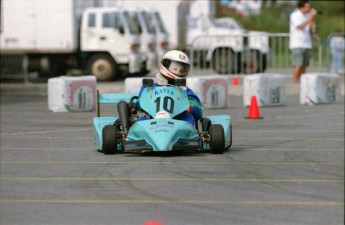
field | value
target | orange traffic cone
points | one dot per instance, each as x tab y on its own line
235	81
253	112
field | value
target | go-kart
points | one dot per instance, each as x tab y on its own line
161	132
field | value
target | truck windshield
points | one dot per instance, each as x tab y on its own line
227	23
147	23
133	29
137	22
159	23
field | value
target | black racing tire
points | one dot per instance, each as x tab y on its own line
109	140
102	66
216	133
223	61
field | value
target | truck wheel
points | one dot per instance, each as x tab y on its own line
254	62
217	139
223	61
102	66
263	62
109	140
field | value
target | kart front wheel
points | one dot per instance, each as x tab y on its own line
230	140
109	138
217	144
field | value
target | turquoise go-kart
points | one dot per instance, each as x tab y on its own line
161	132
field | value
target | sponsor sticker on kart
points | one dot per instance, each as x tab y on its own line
163	114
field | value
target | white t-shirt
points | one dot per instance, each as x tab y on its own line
299	38
255	6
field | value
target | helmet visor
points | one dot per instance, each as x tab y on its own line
179	69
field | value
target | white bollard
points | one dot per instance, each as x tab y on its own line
211	90
320	88
71	94
268	88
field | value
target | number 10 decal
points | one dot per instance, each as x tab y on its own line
168	104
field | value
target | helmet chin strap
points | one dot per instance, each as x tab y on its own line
161	80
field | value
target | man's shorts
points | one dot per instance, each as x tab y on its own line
301	56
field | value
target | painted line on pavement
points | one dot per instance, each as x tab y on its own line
294	131
44	132
49	137
157	202
172	162
252	138
294	139
246	150
172	179
49	149
295	149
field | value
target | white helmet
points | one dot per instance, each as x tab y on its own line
174	65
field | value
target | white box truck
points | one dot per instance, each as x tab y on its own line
58	36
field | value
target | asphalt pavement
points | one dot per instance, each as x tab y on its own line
286	169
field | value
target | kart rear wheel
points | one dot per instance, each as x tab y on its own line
109	138
216	133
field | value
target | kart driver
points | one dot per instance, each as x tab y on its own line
174	66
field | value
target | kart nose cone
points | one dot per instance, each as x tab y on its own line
163	145
162	134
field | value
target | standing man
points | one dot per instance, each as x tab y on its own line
300	44
337	46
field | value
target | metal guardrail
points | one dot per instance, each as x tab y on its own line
13	66
218	54
246	54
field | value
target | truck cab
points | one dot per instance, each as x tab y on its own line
110	41
71	37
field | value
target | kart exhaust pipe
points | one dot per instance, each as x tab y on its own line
123	110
